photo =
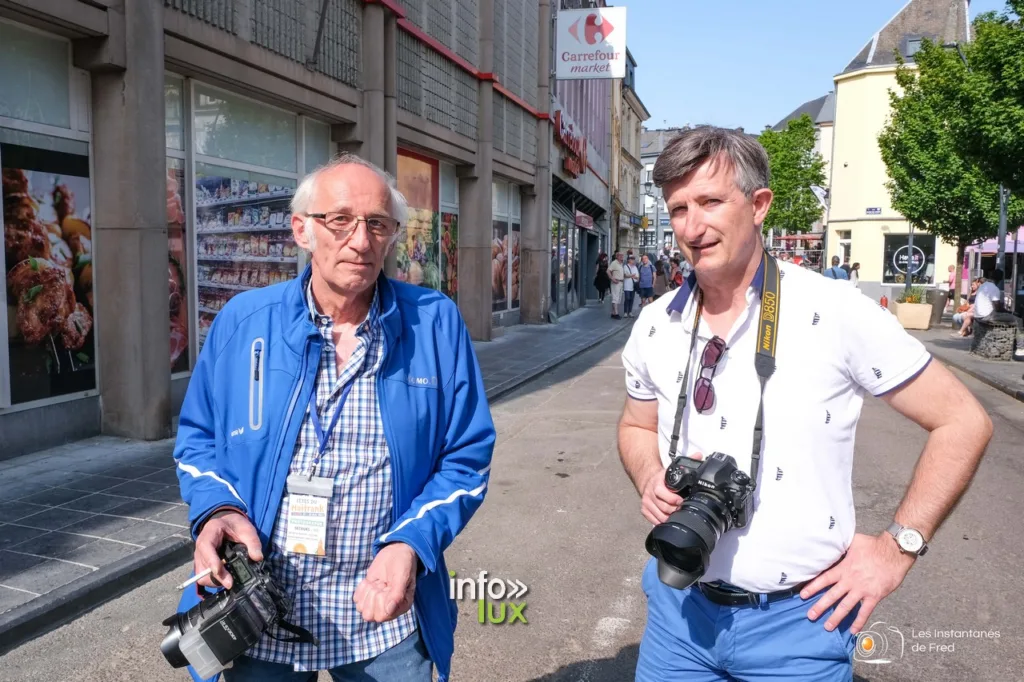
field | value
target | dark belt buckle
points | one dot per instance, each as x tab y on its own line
754	599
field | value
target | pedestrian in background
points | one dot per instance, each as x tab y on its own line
601	281
647	272
661	278
616	277
855	274
836	272
631	277
322	475
783	597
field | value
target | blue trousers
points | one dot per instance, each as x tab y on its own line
630	296
690	638
407	661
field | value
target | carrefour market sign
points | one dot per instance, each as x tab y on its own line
591	43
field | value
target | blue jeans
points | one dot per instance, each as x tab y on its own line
628	306
407	661
690	638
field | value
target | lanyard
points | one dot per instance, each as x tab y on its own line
764	360
321	436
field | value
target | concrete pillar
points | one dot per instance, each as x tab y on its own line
391	112
535	251
475	197
130	232
372	122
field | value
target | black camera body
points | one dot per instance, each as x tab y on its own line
226	624
717	497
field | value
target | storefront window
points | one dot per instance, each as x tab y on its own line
231	127
506	226
317	144
174	118
449	248
919	259
177	266
34	76
417	253
47	223
554	262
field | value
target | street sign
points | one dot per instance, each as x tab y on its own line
874	211
591	43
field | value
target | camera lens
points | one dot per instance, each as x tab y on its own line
683	544
170	647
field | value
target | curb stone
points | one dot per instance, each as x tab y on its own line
55	608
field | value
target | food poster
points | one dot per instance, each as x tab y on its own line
417	254
48	263
243	237
513	245
499	265
450	255
177	266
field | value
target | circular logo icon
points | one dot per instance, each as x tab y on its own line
908	257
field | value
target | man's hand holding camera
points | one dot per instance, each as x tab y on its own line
657	502
222	526
872	569
388	589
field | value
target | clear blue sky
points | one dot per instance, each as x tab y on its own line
747	62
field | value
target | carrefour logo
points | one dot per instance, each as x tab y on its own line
595	29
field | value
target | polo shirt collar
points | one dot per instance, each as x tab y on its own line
679	301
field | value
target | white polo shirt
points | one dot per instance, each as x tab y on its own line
834	344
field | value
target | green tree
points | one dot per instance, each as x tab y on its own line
795	166
931	182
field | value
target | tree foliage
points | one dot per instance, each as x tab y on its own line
795	166
932	182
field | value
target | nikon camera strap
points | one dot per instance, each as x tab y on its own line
764	360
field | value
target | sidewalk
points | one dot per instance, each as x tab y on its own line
85	521
1003	376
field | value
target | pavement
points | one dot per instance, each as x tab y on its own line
955	351
87	520
562	518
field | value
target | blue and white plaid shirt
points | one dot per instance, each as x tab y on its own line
358	460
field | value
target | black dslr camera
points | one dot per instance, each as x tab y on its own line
225	625
717	497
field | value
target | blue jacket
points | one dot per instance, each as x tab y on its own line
245	405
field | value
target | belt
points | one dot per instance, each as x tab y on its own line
733	596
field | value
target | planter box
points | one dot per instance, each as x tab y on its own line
914	315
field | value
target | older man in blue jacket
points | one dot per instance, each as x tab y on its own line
337	425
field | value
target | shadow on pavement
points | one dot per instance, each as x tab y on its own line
618	669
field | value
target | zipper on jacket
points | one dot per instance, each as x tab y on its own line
256	384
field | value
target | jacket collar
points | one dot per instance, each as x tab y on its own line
678	302
301	327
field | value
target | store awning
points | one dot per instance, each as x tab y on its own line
564	193
561	212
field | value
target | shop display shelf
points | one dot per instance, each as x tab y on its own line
245	229
250	259
229	287
244	201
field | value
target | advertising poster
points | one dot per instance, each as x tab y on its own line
450	255
48	264
499	265
417	254
177	266
514	264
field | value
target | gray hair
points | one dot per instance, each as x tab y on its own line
398	207
689	149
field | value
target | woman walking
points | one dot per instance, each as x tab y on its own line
601	280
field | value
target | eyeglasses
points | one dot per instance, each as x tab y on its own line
345	223
703	391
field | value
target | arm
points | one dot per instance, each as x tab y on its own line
456	489
959	431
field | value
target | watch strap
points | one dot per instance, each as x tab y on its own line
894	528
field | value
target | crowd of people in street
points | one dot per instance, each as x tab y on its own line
626	279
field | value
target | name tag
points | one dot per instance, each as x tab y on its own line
308	504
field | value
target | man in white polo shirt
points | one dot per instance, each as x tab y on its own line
783	596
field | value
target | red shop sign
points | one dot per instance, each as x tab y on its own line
575	146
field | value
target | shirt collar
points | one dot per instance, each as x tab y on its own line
678	302
324	321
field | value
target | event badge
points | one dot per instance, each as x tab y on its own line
308	502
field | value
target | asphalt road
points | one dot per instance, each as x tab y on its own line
562	519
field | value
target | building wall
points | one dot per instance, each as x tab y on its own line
858	176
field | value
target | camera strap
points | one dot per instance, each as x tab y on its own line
764	360
301	634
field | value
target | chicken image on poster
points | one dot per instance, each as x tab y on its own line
450	255
48	261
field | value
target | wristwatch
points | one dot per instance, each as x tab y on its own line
909	541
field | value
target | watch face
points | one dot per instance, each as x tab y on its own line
910	540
